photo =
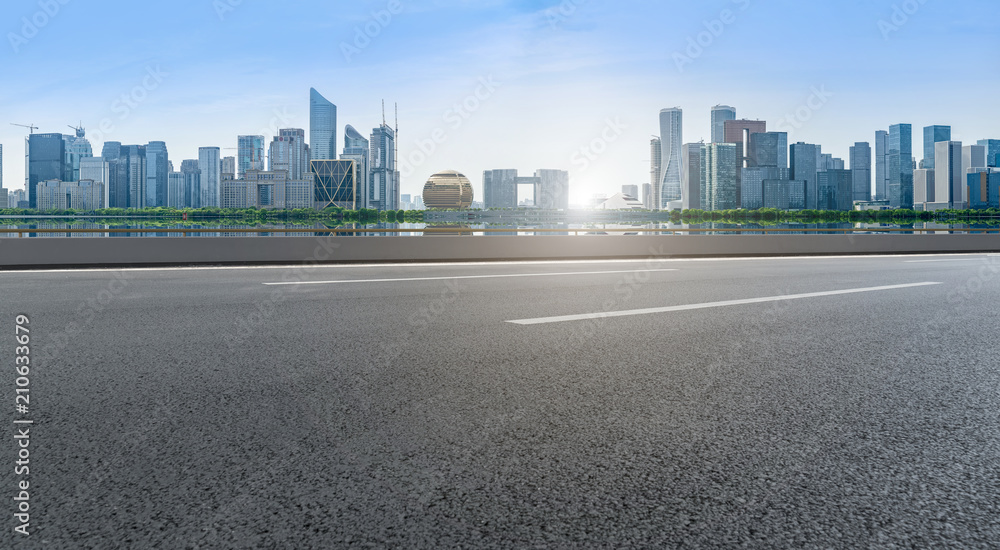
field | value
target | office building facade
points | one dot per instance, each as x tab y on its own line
924	191
76	148
322	127
720	167
949	179
191	170
720	114
383	188
175	190
900	166
157	168
691	175
983	189
803	159
992	151
289	153
356	148
63	195
46	161
933	135
881	165
861	171
836	190
97	170
655	172
336	183
249	154
671	140
210	164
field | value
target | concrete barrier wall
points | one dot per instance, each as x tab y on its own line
78	252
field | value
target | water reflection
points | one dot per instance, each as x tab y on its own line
63	228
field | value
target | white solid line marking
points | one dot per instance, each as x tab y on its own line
468	277
689	307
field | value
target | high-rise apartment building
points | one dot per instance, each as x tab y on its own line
719	181
720	114
157	168
228	166
691	175
804	158
288	152
900	166
210	164
322	127
383	188
933	135
671	138
861	171
356	148
949	179
249	154
62	195
881	165
46	161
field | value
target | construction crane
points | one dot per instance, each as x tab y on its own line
31	127
80	130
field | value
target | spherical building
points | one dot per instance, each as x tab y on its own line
448	189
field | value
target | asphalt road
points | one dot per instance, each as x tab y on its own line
396	406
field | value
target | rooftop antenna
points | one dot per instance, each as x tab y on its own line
383	112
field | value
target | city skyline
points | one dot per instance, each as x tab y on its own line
618	88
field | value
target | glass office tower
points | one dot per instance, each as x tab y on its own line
249	154
322	127
932	135
900	166
46	161
720	114
671	130
356	148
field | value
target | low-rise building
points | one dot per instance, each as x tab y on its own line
64	195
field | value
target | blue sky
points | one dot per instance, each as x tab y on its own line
571	84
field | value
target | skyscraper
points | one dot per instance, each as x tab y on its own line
932	135
924	192
500	189
322	127
803	158
719	181
768	149
132	174
98	170
249	154
288	152
210	164
992	151
117	183
228	166
76	147
973	156
175	190
861	171
157	168
46	161
739	132
356	148
383	190
881	165
835	189
691	175
655	172
720	114
900	165
949	180
671	137
192	183
552	189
